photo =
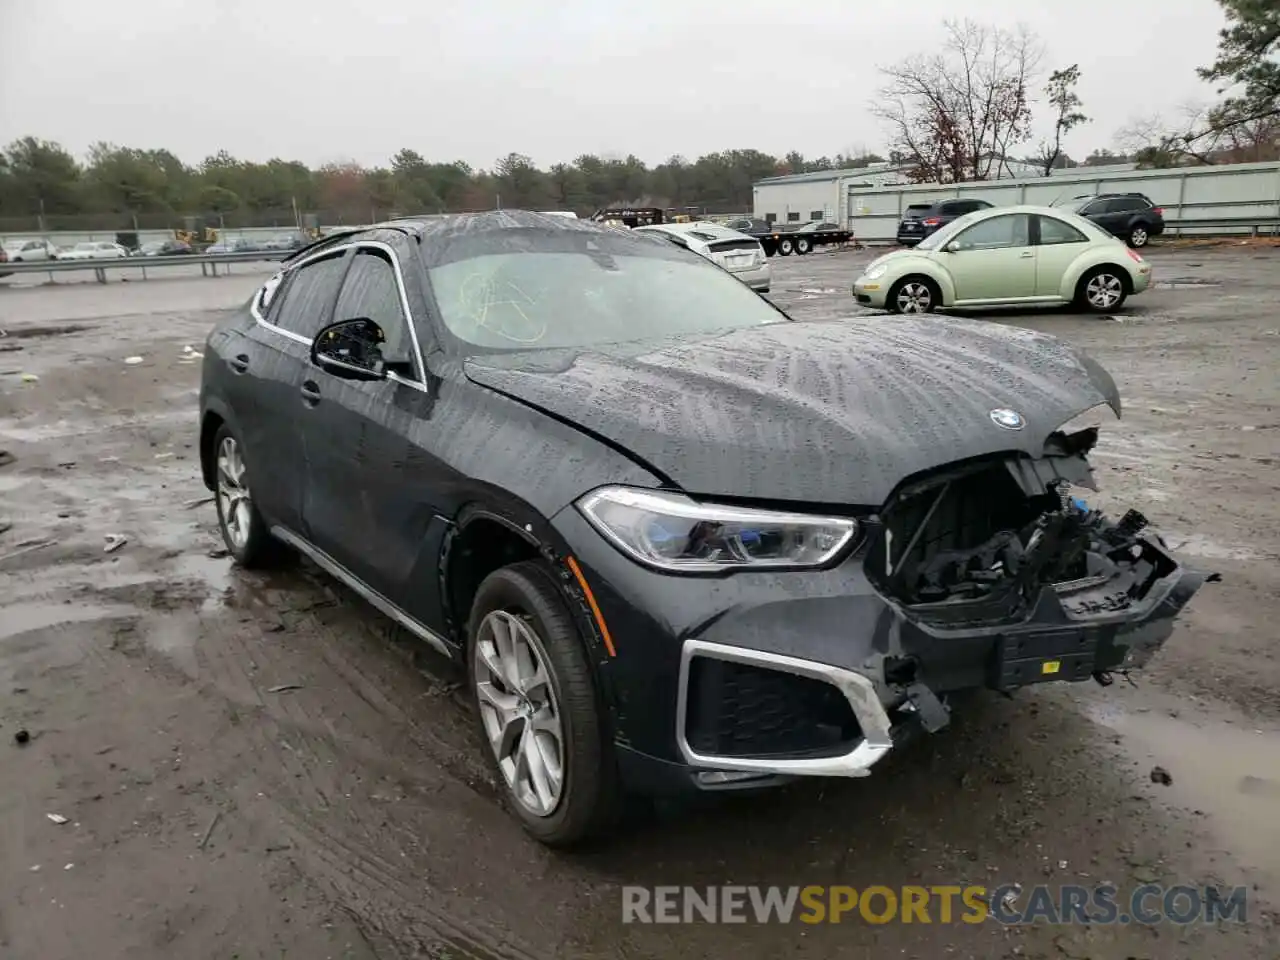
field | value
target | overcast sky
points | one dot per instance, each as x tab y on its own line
321	80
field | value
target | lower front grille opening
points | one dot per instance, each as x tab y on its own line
747	712
973	547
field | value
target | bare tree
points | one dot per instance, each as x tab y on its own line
1245	124
953	115
1066	103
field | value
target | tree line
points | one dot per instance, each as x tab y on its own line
42	179
958	111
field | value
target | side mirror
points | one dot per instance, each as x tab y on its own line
952	247
351	349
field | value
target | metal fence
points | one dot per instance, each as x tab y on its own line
1239	198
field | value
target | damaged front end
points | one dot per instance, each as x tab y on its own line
1004	546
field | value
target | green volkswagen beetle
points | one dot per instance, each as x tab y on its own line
1007	256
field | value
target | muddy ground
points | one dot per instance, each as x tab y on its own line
208	816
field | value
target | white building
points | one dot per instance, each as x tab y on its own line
824	195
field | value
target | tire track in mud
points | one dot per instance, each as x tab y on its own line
315	777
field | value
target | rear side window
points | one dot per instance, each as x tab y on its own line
1054	231
307	300
1126	205
722	246
370	291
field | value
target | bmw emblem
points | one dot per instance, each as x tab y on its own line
1007	419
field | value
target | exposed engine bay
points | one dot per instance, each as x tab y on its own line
979	542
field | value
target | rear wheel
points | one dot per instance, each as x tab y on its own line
803	245
537	710
914	295
1138	236
1102	290
785	247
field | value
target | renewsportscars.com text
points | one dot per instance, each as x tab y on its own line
1007	904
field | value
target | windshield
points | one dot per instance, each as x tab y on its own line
558	298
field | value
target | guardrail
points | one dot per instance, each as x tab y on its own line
209	263
1255	225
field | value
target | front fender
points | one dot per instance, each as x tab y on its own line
912	265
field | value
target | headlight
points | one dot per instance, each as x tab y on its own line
671	532
875	273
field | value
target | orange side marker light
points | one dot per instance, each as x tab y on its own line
595	607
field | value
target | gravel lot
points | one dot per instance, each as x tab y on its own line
352	818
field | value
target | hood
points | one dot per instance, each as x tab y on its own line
892	255
835	412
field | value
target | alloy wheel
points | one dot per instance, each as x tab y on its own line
1104	291
233	495
1138	237
914	297
519	710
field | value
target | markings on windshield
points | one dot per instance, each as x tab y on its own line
479	293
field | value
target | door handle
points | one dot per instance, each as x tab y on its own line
239	363
310	393
1028	254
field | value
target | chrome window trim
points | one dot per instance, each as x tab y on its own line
858	690
407	314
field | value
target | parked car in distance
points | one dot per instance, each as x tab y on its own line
675	540
234	245
1130	216
920	220
740	255
1007	255
94	250
164	248
285	241
30	250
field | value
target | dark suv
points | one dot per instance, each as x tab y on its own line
1130	216
675	541
921	219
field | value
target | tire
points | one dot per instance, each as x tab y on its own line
785	247
1138	236
1102	289
244	531
917	290
803	246
525	601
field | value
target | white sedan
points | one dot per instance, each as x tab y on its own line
30	251
94	250
735	252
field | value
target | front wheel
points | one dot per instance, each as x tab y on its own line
243	529
538	713
1101	290
1138	237
914	295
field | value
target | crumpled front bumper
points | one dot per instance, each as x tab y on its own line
892	668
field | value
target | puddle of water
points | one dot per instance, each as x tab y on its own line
20	618
1230	772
